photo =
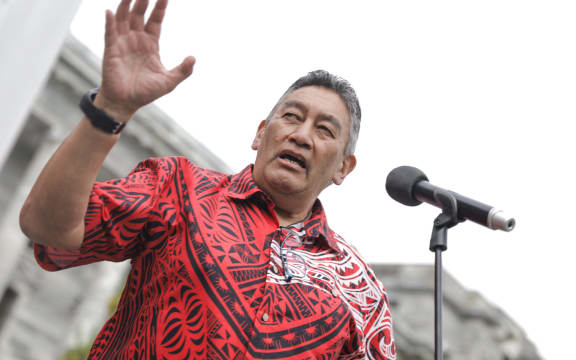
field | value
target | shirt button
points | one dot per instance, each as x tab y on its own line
274	269
334	292
265	317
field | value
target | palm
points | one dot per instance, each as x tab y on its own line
133	74
132	71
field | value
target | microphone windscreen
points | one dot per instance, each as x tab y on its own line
400	184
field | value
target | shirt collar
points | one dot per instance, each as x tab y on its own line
242	186
317	226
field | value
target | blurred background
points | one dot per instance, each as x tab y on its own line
480	96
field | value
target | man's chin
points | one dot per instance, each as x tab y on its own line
286	182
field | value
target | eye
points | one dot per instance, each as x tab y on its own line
291	117
326	130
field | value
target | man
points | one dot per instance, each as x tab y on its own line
223	266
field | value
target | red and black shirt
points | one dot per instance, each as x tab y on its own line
214	276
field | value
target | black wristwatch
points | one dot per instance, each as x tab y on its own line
97	117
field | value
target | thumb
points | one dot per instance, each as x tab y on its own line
182	71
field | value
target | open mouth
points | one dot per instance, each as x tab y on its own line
293	159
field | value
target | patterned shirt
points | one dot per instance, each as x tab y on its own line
214	276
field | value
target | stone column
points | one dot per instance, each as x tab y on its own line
31	34
12	240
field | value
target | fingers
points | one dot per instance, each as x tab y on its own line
110	33
122	16
127	20
154	24
137	15
182	71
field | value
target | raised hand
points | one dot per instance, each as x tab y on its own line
132	72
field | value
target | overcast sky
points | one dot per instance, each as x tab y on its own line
479	95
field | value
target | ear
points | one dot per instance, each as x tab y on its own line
348	164
259	135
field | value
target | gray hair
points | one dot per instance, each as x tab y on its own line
340	86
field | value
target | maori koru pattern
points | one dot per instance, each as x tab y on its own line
208	280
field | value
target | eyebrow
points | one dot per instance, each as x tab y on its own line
296	104
324	117
331	119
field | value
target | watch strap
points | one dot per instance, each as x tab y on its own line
97	117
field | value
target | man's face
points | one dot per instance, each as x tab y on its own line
301	149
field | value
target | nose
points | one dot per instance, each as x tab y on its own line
302	136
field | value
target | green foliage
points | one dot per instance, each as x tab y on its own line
113	303
79	352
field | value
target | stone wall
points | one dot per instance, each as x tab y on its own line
473	328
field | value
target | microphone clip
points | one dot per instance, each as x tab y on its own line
447	219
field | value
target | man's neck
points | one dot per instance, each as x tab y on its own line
290	208
290	211
286	219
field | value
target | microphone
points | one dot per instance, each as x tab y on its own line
409	186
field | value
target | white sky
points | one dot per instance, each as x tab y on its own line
479	95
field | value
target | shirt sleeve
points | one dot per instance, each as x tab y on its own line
117	214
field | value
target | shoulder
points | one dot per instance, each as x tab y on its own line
181	171
356	267
346	248
163	164
172	165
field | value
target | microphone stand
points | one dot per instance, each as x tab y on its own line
439	243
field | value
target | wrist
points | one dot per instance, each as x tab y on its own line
102	117
117	112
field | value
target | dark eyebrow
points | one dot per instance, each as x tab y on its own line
332	120
296	104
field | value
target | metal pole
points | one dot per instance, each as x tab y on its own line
438	352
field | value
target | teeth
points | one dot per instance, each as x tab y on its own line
293	159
